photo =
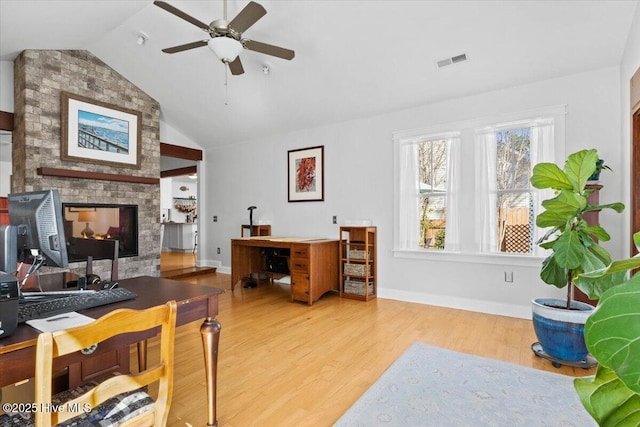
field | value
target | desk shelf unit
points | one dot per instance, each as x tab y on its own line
358	261
256	230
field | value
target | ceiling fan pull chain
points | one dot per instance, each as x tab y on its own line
226	85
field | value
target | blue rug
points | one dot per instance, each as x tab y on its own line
429	386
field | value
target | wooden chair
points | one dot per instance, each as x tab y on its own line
98	399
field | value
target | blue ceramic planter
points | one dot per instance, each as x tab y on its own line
560	331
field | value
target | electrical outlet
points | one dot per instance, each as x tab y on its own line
335	219
218	251
215	218
508	276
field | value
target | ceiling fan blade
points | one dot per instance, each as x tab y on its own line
268	49
180	14
236	67
247	17
187	46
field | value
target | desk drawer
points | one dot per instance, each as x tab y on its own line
299	286
300	264
300	258
300	251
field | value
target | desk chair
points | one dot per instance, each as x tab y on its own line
130	403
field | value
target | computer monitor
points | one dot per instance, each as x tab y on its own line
37	215
8	248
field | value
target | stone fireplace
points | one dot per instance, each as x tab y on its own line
40	77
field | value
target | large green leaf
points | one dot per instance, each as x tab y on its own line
569	251
601	253
549	175
594	287
551	219
598	232
552	274
560	209
618	207
636	240
622	265
609	401
579	167
612	332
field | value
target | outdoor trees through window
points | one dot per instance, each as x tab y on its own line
432	171
514	217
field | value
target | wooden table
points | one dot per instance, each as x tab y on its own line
195	302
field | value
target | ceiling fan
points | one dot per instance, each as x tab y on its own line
225	37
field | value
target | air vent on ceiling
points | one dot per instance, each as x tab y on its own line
453	60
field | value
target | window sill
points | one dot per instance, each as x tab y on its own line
477	258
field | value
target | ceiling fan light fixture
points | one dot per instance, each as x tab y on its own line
226	49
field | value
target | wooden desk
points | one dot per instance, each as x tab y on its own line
17	351
313	263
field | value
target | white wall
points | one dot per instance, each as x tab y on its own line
6	86
628	67
359	184
169	135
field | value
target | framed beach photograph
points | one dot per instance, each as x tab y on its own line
306	174
100	133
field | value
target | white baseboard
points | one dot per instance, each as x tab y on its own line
213	263
223	269
509	310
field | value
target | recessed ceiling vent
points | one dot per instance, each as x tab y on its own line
453	60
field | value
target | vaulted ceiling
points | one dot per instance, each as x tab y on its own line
353	58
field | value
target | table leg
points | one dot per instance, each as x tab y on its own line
210	331
142	355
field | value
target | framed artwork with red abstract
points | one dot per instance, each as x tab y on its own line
306	174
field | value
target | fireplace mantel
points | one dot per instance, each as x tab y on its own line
68	173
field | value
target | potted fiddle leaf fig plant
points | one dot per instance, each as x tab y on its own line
612	335
558	324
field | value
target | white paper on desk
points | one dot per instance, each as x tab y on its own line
60	321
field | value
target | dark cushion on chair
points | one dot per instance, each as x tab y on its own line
110	413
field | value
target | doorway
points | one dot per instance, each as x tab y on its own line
178	202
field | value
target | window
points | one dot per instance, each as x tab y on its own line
479	204
514	198
432	174
426	192
506	201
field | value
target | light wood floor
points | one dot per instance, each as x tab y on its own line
176	260
288	364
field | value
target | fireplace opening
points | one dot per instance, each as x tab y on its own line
87	222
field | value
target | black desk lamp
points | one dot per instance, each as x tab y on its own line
251	283
250	209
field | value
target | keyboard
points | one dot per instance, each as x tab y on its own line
51	306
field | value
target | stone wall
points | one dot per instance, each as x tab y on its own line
40	77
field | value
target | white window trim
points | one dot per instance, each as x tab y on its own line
470	127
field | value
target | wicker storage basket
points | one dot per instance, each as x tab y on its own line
356	269
356	287
358	254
